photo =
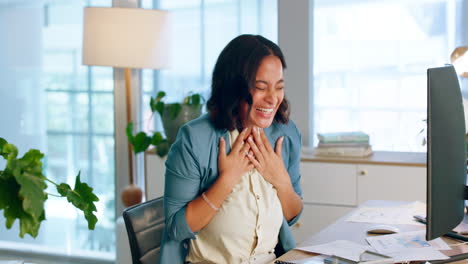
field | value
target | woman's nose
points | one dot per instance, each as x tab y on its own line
271	98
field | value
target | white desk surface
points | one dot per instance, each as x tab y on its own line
342	230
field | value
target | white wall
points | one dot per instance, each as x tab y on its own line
295	23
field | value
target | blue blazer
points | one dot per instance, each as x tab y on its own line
192	167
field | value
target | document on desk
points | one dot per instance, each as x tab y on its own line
409	246
402	215
406	240
341	248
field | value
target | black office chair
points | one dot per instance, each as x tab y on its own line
145	226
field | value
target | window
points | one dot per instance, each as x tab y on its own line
202	28
64	109
370	62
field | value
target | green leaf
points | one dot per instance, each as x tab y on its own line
141	142
8	191
156	139
174	110
28	174
10	202
159	104
160	96
83	198
152	104
63	189
129	132
193	99
29	225
162	148
160	108
22	191
3	142
9	151
196	99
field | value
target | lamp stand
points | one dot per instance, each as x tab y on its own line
131	194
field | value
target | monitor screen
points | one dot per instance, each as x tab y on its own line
446	162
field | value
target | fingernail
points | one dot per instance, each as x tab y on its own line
250	138
221	139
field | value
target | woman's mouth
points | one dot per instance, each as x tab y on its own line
265	110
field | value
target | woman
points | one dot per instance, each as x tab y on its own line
230	196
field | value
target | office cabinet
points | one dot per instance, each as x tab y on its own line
316	217
329	183
332	186
384	182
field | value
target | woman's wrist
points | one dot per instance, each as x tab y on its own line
228	181
282	181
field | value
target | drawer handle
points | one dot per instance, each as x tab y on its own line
363	172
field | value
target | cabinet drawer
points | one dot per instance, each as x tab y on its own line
329	183
402	183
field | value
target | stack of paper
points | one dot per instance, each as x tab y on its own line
346	144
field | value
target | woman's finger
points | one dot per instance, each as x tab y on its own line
222	148
245	150
255	149
254	162
279	146
265	141
240	140
258	139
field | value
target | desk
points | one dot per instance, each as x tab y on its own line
342	230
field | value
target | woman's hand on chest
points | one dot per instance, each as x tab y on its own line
232	166
268	161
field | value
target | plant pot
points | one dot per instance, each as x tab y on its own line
173	119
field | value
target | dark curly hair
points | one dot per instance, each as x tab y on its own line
233	77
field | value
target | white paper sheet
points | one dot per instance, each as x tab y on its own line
312	260
417	254
402	215
402	241
341	248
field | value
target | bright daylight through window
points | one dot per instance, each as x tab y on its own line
370	62
64	109
201	29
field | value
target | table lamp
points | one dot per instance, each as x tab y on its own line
459	59
128	38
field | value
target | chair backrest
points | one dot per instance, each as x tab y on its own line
145	226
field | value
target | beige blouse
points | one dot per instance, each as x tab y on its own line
247	224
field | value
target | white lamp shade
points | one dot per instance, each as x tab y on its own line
126	37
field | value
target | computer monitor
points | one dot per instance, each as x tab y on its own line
446	157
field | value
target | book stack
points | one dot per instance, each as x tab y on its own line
343	144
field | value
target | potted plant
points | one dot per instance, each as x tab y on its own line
23	191
173	116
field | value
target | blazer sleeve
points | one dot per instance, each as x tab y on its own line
295	143
181	186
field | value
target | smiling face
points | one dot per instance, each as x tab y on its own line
267	94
